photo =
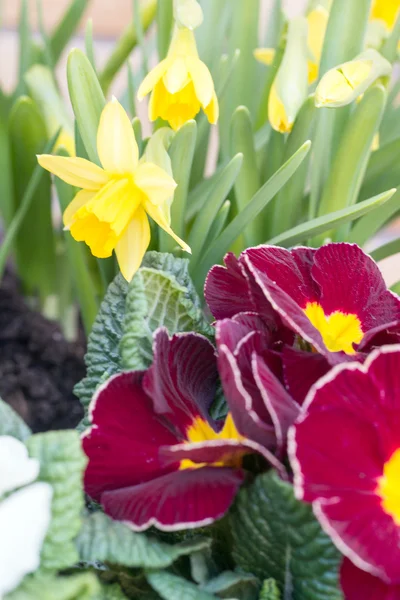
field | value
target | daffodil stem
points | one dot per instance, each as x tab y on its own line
125	45
19	216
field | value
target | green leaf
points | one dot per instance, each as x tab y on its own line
12	424
181	152
383	170
275	535
241	586
213	203
366	227
156	298
161	293
170	586
349	166
78	587
260	200
102	357
270	590
388	249
62	463
126	44
326	223
87	99
66	28
164	26
218	223
103	540
7	207
390	47
28	138
112	592
25	47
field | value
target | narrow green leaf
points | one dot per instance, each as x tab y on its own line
325	223
199	194
103	540
287	204
262	117
84	286
181	152
343	41
37	268
170	586
248	180
66	28
390	47
7	205
62	463
164	26
348	169
131	89
383	169
125	45
365	229
89	43
137	22
219	223
87	99
216	197
24	206
275	535
261	199
25	46
388	249
228	584
12	424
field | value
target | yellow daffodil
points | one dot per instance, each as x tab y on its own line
317	20
111	210
181	84
385	11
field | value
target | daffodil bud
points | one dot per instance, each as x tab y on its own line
188	13
343	84
317	20
290	87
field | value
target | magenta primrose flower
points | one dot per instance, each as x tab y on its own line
360	585
156	457
345	454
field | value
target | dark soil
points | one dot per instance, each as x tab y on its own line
38	367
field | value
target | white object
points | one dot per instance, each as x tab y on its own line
16	468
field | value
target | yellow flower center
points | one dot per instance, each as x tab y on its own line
386	11
201	431
339	330
177	108
389	487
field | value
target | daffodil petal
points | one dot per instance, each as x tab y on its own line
157	215
154	182
176	76
264	55
132	245
116	144
202	80
212	110
80	200
153	78
75	171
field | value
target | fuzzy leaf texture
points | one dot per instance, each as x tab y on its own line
277	536
61	464
161	293
78	587
228	584
103	540
270	590
12	424
170	587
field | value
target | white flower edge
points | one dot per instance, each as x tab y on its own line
24	520
16	468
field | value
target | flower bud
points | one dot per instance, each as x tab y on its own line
188	13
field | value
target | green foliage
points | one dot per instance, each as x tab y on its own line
170	586
275	535
12	424
61	464
77	587
160	294
103	540
270	590
228	584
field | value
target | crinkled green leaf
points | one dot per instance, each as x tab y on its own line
275	535
172	587
78	587
270	590
102	358
61	464
161	293
228	584
12	424
103	540
112	592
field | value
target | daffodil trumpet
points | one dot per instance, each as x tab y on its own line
111	210
181	84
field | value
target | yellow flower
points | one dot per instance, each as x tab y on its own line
386	11
181	84
111	210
